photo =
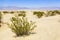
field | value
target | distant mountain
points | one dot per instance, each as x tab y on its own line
18	8
12	8
49	8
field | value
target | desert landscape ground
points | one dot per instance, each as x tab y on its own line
48	28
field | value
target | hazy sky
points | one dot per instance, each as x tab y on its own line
30	3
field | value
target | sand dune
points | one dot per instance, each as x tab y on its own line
48	28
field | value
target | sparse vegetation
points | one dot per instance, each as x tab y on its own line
0	18
52	13
22	13
12	12
5	12
57	12
21	26
38	14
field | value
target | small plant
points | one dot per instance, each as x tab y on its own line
57	12
21	26
51	13
5	12
22	13
38	14
0	18
12	12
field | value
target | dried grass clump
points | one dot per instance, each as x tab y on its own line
0	18
22	13
38	14
52	13
5	12
21	26
12	12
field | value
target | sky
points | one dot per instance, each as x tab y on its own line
30	3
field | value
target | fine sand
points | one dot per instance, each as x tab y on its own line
48	28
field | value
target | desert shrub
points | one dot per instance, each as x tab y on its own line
5	12
34	13
57	12
38	14
22	13
0	18
21	26
12	12
51	13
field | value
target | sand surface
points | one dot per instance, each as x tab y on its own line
48	28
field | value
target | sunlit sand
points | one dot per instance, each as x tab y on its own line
48	28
